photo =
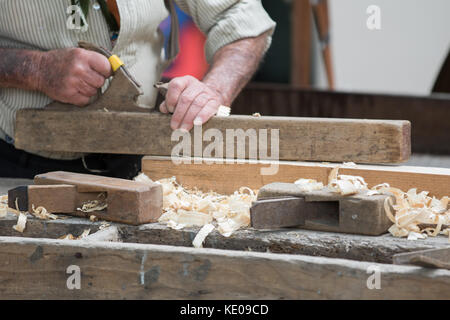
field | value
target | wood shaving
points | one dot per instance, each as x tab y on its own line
71	237
185	208
307	185
93	205
202	234
93	218
256	114
21	222
42	213
223	111
3	205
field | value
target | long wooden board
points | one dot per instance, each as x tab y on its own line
230	176
380	249
318	139
39	269
429	115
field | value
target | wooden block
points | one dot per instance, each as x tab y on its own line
318	139
36	268
357	214
127	201
230	176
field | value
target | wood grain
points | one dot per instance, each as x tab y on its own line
36	269
318	139
230	176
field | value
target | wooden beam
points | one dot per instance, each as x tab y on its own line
379	249
37	268
363	141
230	176
428	115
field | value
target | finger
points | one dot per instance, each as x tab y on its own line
199	103
163	108
176	87
94	79
184	102
207	112
99	63
85	89
80	100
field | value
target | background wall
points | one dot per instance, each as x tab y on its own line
403	57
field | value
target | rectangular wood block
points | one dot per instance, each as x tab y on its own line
316	139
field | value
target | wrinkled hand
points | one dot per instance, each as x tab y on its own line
191	102
72	75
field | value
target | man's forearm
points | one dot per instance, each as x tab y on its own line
19	68
234	65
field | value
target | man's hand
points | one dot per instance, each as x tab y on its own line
72	75
191	102
195	102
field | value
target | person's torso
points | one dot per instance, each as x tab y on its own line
45	25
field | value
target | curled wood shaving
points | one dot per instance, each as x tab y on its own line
412	209
184	207
71	237
42	213
93	205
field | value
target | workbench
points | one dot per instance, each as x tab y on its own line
153	261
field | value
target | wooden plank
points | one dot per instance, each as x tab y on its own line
37	268
379	249
230	176
363	141
428	114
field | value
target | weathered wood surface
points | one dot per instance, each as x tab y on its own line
428	114
363	141
37	269
230	176
433	258
290	241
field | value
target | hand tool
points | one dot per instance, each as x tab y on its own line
286	205
122	93
69	193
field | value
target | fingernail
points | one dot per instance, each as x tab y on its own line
185	127
174	125
198	122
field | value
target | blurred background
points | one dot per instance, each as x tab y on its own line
369	59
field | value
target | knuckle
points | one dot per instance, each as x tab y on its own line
185	100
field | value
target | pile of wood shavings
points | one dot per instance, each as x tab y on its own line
186	208
412	210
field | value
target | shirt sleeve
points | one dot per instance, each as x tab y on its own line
225	21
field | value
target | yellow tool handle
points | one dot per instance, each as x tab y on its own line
115	61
